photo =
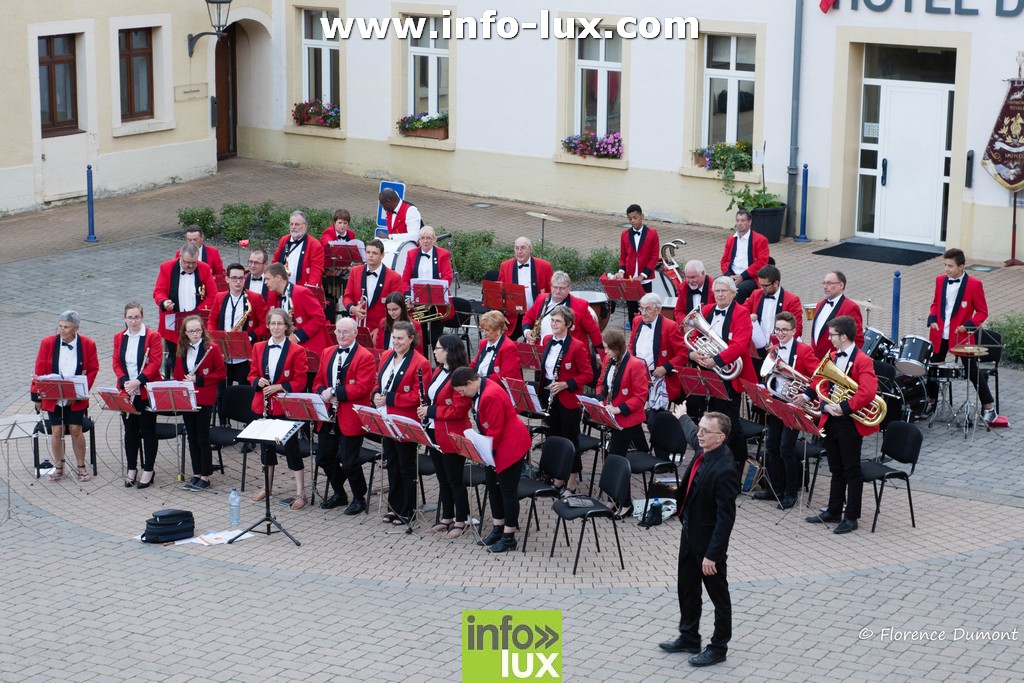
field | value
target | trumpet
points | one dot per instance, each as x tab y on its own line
363	304
701	338
428	313
785	382
843	387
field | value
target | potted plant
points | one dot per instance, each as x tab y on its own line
424	125
589	144
725	159
316	113
767	210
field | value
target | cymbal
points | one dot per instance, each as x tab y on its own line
544	216
867	305
969	350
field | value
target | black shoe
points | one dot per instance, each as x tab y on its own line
786	502
339	498
145	485
708	657
823	517
763	495
493	537
506	543
680	644
200	484
846	526
358	505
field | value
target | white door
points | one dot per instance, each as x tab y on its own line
63	164
911	149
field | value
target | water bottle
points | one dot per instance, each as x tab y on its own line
235	508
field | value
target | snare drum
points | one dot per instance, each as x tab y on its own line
600	307
395	253
668	307
914	355
877	345
946	371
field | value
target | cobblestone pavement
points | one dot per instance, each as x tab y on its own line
82	600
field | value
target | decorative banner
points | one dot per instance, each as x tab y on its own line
1004	154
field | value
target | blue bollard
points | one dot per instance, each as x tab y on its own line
91	237
802	237
897	278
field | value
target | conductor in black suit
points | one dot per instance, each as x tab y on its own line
706	502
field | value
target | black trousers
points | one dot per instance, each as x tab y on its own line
401	459
292	455
451	480
566	423
621	440
140	433
170	357
737	444
503	490
744	289
197	430
781	459
338	456
690	579
842	444
633	307
516	332
978	379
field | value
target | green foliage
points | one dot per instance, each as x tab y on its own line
726	159
364	227
569	260
236	221
602	260
762	199
203	216
1011	327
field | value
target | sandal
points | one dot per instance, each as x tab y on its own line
259	496
56	475
389	518
299	503
455	531
83	473
441	527
399	521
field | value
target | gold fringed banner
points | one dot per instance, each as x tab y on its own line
1004	154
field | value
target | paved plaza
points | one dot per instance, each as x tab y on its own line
81	600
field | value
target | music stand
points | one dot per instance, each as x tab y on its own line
174	397
507	297
372	422
11	428
363	336
268	432
530	355
307	409
119	402
339	258
626	289
56	388
598	413
179	318
234	344
411	431
702	382
522	398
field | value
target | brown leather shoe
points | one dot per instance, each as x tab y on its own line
299	503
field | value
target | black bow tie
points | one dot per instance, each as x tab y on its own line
557	342
345	350
67	345
185	272
255	279
830	303
647	325
371	274
524	265
770	296
951	281
275	346
489	349
841	354
719	311
783	350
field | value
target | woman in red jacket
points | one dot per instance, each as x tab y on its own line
398	393
396	311
623	386
448	413
199	361
497	355
495	416
138	354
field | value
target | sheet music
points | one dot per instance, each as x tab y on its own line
430	281
760	341
169	321
594	402
534	398
358	244
269	429
172	384
81	383
484	445
413	424
380	413
318	403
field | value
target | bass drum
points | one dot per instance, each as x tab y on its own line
906	399
395	253
600	307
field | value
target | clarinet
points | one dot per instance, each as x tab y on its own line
551	394
266	398
424	400
332	412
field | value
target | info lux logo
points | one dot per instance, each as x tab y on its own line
509	645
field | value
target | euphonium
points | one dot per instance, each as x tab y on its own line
784	381
428	313
669	265
843	387
245	314
701	338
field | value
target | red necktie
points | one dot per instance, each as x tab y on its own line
693	474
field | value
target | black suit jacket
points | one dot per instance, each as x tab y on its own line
709	509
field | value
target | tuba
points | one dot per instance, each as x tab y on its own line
843	387
669	266
699	337
784	382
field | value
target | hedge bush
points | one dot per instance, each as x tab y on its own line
1011	327
473	253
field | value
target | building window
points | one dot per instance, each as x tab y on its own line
728	89
58	85
428	70
136	64
321	73
598	94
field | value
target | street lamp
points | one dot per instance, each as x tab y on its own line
218	11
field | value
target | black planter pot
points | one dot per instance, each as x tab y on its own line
768	222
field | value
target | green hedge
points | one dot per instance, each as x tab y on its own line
473	253
1011	327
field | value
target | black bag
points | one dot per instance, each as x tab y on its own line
652	517
169	525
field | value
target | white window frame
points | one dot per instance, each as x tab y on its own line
603	68
433	54
330	61
732	76
163	75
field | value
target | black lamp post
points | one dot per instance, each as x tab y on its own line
218	11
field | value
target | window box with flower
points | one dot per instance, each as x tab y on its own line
316	113
590	144
423	125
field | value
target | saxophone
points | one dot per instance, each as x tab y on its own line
245	314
